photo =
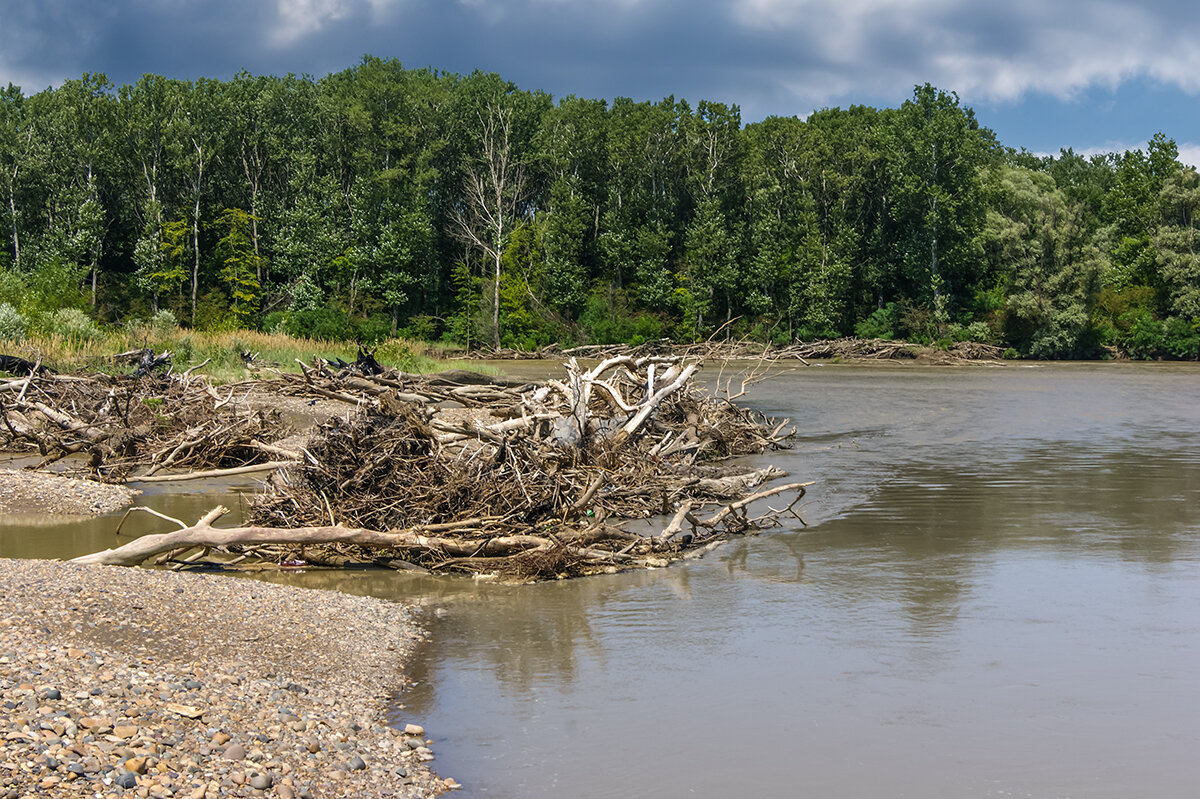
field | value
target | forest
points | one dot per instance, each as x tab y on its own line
382	201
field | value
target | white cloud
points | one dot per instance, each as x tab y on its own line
993	52
1189	154
299	18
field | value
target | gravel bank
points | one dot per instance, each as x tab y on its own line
130	682
24	491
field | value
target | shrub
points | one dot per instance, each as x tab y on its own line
1145	337
1180	339
373	329
12	324
421	327
72	325
976	331
163	324
275	322
328	324
880	324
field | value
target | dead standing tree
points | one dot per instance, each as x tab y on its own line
495	190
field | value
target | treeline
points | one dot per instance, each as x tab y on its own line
384	200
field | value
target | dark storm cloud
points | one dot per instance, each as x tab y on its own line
771	56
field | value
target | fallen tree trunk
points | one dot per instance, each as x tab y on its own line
231	472
203	534
453	552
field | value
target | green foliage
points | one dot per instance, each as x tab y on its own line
162	258
380	198
12	286
975	331
70	324
1181	339
398	354
12	323
163	323
323	324
464	326
240	264
54	284
421	327
606	318
1145	337
1118	309
882	323
372	329
213	312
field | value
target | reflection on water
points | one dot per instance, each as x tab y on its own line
25	536
996	596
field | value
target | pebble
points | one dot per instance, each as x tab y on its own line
23	491
97	663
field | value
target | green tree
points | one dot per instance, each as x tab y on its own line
1041	251
239	263
937	203
1178	243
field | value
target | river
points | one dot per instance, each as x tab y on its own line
996	594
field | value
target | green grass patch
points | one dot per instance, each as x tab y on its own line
223	351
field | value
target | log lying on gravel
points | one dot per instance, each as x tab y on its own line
453	474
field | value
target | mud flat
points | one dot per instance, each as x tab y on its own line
131	682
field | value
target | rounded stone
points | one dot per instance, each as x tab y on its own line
127	779
261	782
355	763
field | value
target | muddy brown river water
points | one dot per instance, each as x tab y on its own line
997	594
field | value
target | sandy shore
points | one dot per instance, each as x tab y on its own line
131	682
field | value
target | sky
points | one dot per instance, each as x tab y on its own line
1043	74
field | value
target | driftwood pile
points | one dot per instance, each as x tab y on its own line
145	422
458	472
842	348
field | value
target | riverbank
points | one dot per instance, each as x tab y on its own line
838	350
129	682
23	491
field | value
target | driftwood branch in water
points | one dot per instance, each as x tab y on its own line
453	552
204	534
270	466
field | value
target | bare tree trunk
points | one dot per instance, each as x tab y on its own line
496	289
196	228
495	187
12	207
